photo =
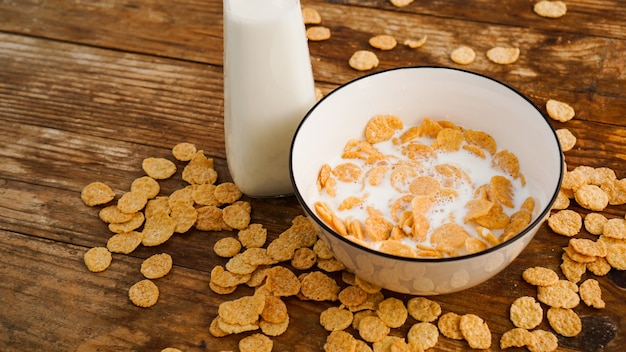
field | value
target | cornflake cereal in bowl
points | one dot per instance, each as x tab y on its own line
426	180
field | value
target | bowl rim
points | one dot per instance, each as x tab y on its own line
536	222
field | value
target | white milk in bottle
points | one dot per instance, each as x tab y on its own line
268	88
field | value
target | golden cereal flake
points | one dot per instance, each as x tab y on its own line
565	222
517	337
382	127
97	259
283	282
171	349
181	197
599	267
225	278
184	151
184	217
275	310
242	311
564	321
392	312
616	190
481	139
550	9
352	296
204	194
616	256
416	43
156	266
475	331
588	247
540	276
237	215
423	309
559	110
463	55
423	336
318	286
132	202
366	285
502	190
503	55
572	270
363	60
112	215
124	242
158	168
274	329
594	223
336	318
256	343
237	265
311	16
96	193
318	33
221	290
157	205
157	230
134	223
146	185
526	313
257	256
144	293
566	139
235	328
615	228
227	247
347	172
591	294
330	265
373	329
199	170
562	201
449	326
448	140
563	294
254	236
340	341
507	162
383	42
210	218
591	197
545	341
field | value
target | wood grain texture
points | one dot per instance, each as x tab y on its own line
88	89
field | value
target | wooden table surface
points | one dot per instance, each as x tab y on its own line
88	89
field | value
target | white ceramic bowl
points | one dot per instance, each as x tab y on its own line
468	99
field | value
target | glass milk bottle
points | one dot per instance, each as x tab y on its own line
268	88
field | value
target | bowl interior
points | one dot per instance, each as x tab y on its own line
412	93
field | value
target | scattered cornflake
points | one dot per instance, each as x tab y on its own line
256	343
545	341
565	222
550	9
563	294
503	55
311	16
340	341
422	336
383	42
184	151
463	55
373	329
336	318
363	60
97	259
158	168
566	139
591	294
526	313
318	33
540	276
517	337
124	242
423	309
564	321
96	193
591	197
156	266
449	326
559	110
475	331
144	293
594	223
416	43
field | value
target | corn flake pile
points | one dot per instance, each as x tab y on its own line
143	217
418	184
